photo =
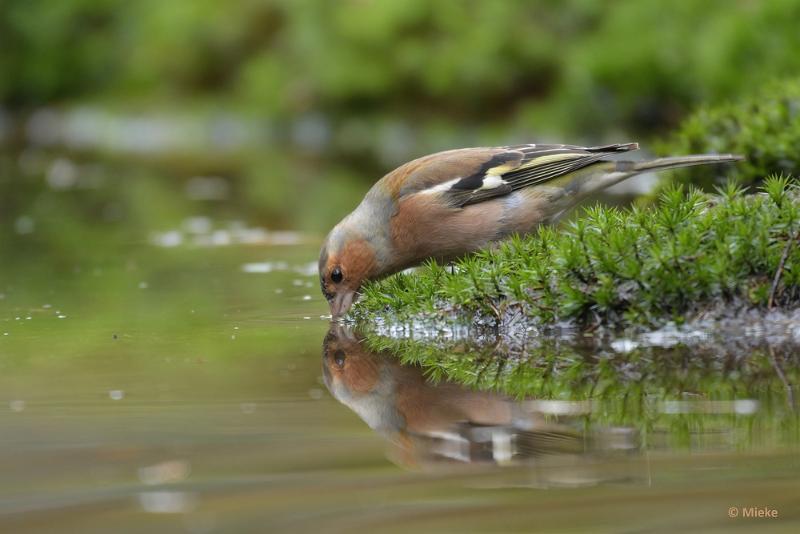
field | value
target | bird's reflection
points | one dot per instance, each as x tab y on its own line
430	424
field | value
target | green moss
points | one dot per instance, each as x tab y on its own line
765	127
618	267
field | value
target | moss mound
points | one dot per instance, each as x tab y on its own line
618	267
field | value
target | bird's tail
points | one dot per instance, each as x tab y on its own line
617	171
675	162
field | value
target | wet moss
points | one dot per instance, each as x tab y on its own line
610	267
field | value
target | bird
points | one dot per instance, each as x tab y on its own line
446	205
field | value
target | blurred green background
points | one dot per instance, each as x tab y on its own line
157	157
281	113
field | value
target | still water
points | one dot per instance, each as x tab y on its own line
199	389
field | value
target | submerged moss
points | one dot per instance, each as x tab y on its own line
618	267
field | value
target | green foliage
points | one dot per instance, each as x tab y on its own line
644	64
564	67
764	127
52	50
619	267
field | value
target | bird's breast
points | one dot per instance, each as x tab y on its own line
424	227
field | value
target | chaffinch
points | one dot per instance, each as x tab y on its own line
448	204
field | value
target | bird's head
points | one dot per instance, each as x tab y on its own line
346	261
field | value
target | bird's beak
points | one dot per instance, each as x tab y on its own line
341	303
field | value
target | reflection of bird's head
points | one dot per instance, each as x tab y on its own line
360	379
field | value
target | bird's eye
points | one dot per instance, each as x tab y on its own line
338	358
336	275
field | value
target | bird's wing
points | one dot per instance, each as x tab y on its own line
472	175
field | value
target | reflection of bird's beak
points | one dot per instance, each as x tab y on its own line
341	303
